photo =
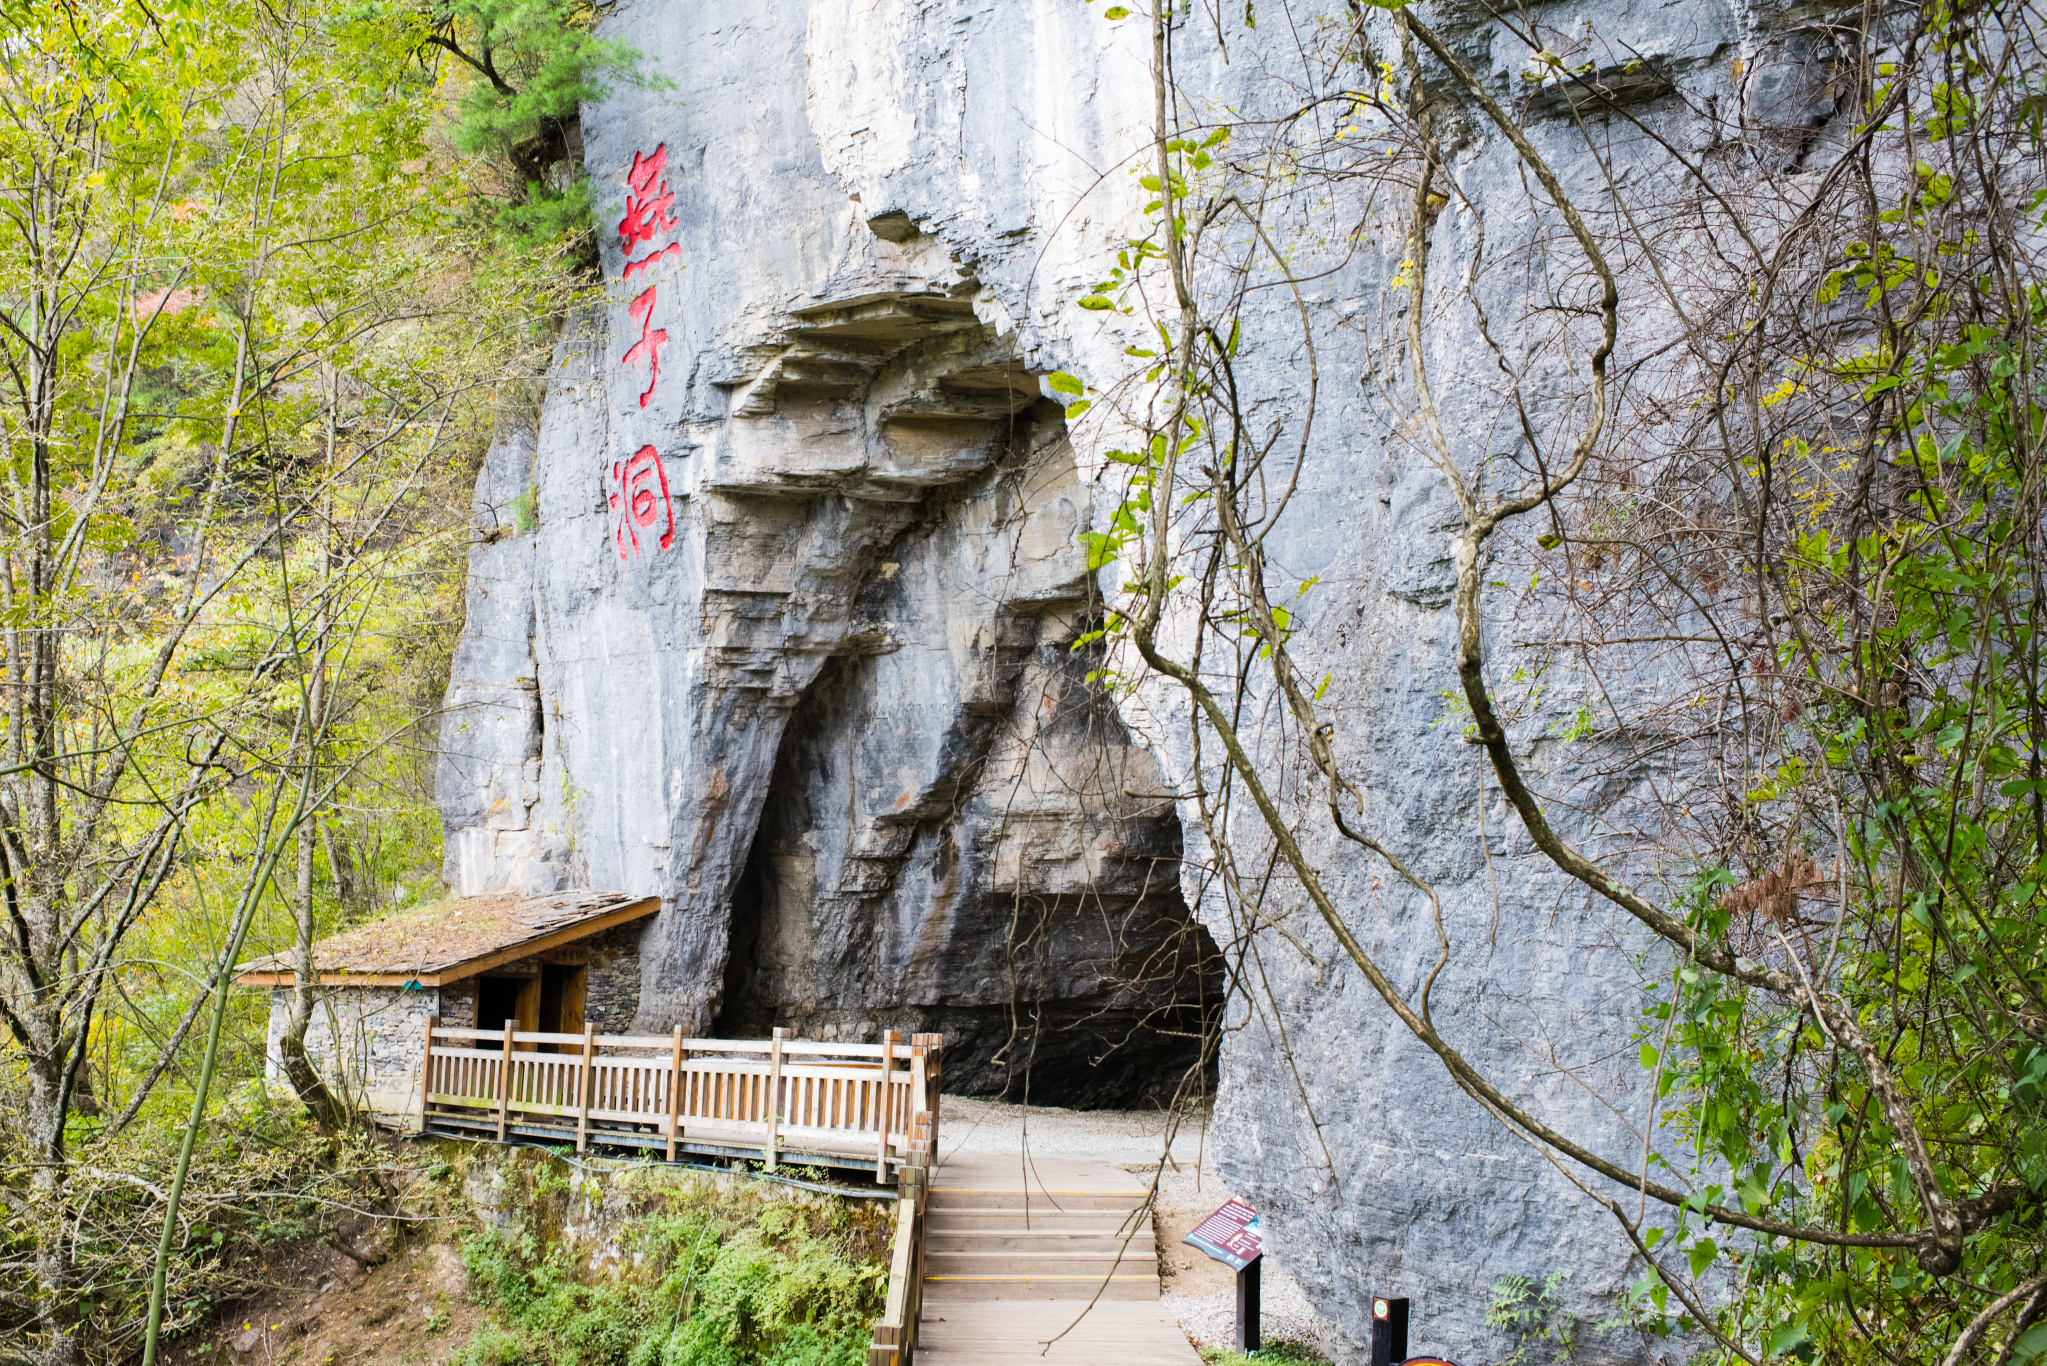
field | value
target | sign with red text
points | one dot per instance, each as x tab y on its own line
1230	1235
642	514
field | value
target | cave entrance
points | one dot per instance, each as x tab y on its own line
1051	980
747	1012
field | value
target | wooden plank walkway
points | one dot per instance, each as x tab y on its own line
1015	1252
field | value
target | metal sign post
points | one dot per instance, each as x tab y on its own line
1231	1236
1249	1337
1389	1331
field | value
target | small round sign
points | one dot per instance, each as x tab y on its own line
1428	1361
1378	1309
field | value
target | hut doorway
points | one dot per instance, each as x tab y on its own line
561	998
499	1002
549	1001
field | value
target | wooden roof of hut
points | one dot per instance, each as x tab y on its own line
447	941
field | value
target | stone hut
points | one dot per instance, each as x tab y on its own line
547	963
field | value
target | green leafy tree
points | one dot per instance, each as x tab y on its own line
529	67
245	361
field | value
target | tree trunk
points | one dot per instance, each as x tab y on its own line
340	863
56	1277
305	1079
313	1092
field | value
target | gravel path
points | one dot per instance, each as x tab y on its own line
1200	1293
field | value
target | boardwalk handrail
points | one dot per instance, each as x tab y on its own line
894	1342
789	1045
741	1095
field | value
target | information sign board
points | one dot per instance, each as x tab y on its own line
1230	1235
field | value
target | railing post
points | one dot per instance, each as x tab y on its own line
937	1087
775	1093
920	1105
934	1064
888	1062
584	1087
505	1083
426	1069
894	1342
675	1094
916	1188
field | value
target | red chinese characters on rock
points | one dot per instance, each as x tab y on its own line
647	202
638	493
652	339
646	213
639	502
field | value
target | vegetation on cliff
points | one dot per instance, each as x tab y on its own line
700	1275
475	1255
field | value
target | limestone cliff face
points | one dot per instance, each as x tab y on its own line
789	639
789	642
838	720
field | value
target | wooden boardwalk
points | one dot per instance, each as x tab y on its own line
1015	1253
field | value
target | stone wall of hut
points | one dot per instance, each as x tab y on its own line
368	1042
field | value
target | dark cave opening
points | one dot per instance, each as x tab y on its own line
745	1013
1093	996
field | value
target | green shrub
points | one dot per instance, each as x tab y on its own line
717	1279
523	69
1531	1317
493	1345
1282	1353
526	510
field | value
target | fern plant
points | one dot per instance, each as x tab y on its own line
1531	1317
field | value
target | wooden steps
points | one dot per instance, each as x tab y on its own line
982	1216
1043	1242
1014	1333
1014	1252
1034	1200
1020	1244
953	1290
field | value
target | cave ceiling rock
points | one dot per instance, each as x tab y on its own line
863	411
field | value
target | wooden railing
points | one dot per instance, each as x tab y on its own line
895	1334
780	1099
